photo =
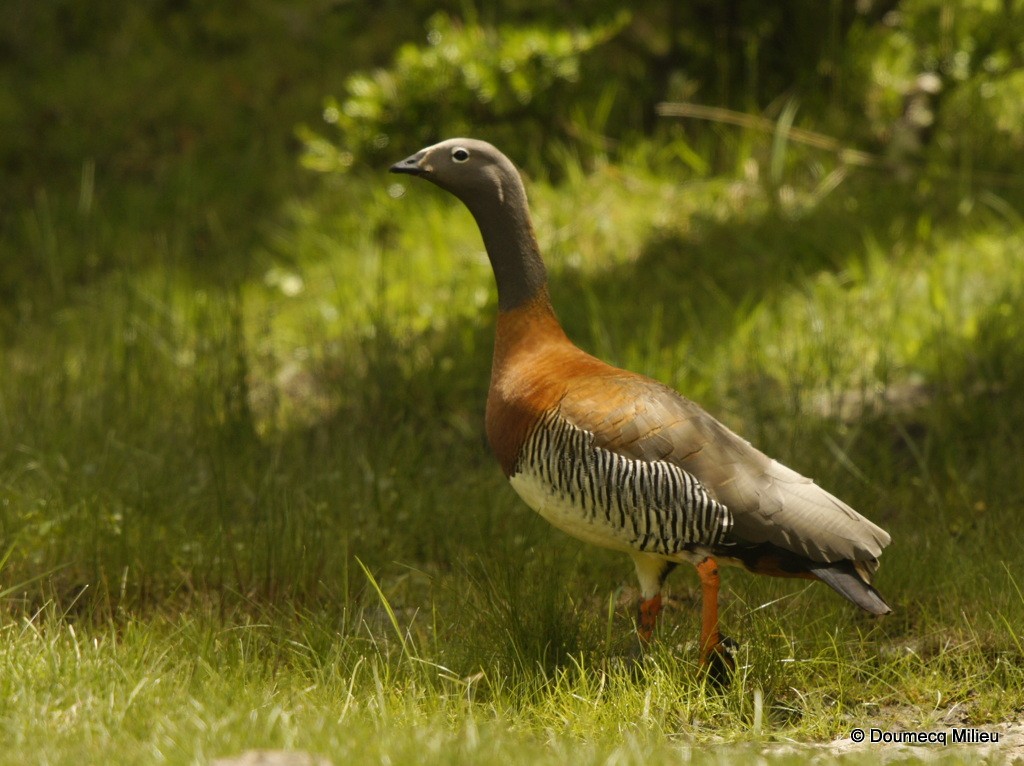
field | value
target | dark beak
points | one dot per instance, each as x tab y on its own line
410	165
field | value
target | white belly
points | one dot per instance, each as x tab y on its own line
561	512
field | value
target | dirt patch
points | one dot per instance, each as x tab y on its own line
273	758
996	743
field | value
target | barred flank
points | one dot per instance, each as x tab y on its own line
658	506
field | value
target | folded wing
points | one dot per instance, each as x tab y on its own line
770	503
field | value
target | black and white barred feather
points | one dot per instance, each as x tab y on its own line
659	507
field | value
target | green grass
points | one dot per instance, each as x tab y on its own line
258	511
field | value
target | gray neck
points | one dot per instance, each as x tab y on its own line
504	222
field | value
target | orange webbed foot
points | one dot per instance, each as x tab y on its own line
719	660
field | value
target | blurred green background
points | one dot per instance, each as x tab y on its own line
237	358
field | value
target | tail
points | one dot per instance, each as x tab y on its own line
844	579
847	578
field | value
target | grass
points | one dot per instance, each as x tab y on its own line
258	511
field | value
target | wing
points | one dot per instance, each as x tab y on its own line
643	419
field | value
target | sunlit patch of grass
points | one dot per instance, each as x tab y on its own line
196	685
926	308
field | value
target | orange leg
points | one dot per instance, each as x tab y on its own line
714	652
649	610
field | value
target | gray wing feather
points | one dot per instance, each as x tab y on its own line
769	501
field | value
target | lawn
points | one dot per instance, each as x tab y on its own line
259	513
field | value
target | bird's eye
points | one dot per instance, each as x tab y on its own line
459	154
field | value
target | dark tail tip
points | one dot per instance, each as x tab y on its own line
844	580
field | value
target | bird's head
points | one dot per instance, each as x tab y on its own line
472	170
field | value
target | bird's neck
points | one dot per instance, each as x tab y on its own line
528	344
529	328
511	246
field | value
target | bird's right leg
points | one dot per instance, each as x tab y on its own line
651	571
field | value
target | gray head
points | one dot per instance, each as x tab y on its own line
489	185
472	170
